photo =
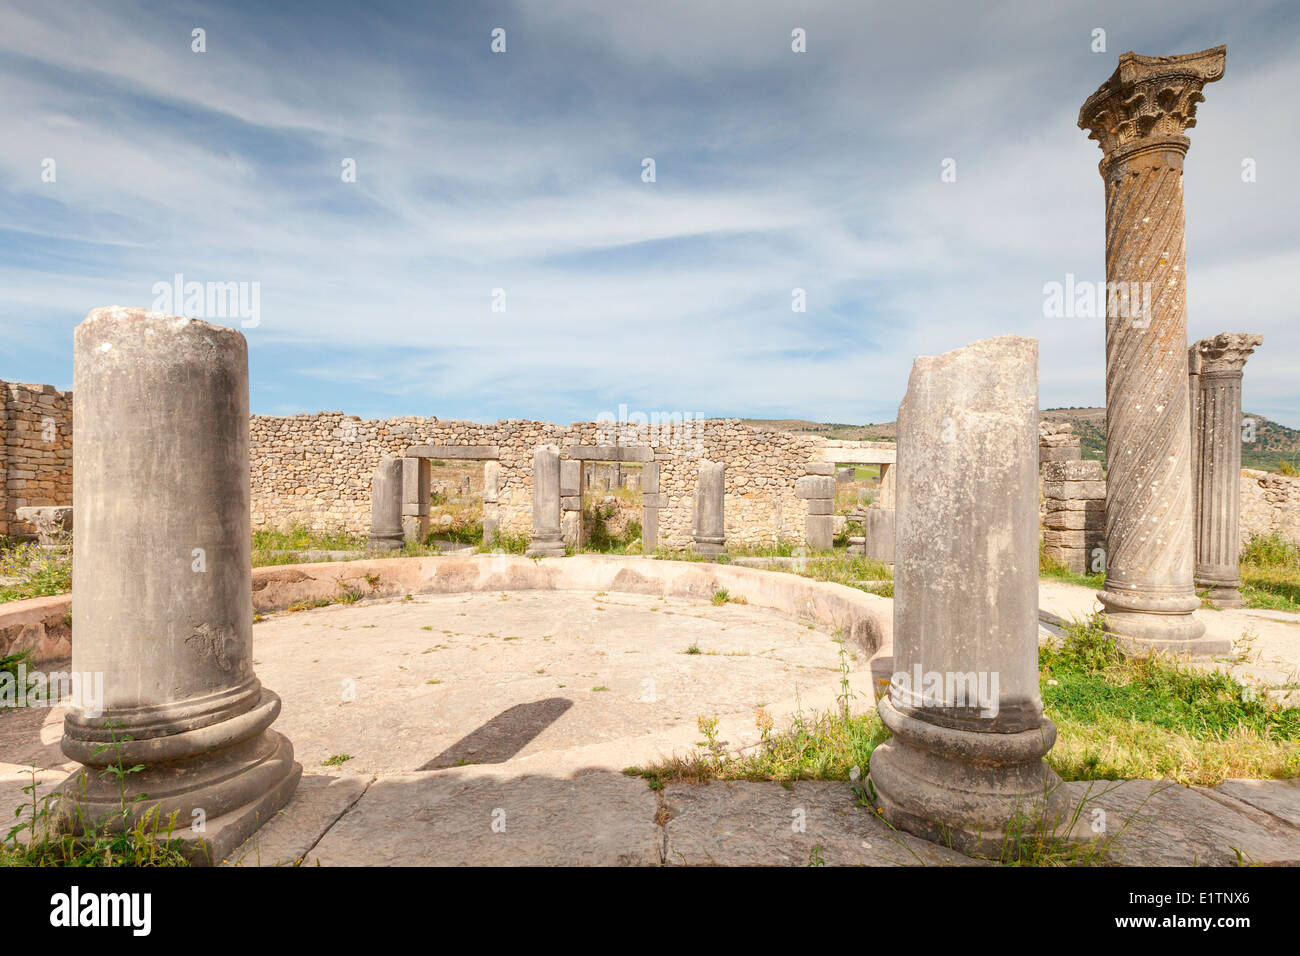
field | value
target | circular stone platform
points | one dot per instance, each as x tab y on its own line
481	678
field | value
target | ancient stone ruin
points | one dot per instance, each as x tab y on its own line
1138	117
965	761
181	698
170	475
1215	371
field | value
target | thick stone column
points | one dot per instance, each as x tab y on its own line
709	534
547	538
163	583
1138	116
416	479
386	505
968	728
1218	364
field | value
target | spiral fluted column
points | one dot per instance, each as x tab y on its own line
1138	116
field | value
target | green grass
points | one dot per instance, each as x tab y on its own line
47	833
40	573
506	542
1117	718
823	746
1152	717
597	518
860	472
1270	573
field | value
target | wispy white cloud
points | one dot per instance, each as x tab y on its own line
522	172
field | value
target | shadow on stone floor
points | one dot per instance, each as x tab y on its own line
504	736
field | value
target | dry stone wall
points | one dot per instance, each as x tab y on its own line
35	451
1269	504
315	469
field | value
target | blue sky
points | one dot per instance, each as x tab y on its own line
522	171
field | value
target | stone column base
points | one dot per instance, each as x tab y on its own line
237	788
1223	589
711	545
546	546
385	542
1142	625
1224	595
975	792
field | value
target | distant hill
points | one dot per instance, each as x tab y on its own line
883	432
1273	443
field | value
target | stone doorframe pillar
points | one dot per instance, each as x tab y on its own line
490	455
415	499
1138	116
651	500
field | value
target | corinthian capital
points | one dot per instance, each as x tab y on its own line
1226	352
1150	97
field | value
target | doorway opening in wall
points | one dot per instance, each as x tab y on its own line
856	487
455	504
611	508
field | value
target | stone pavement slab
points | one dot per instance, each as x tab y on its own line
475	816
1159	823
287	838
1279	798
762	823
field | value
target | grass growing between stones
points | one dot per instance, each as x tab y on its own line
831	745
43	836
1152	717
824	746
33	571
1047	568
1270	573
284	545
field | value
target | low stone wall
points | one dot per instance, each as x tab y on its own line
864	620
35	451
